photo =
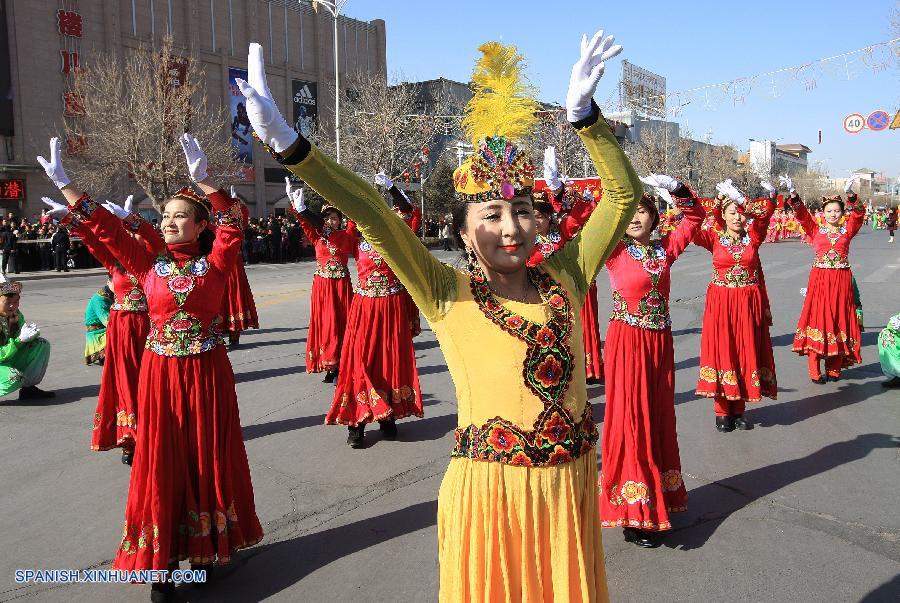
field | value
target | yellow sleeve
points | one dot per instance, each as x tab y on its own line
584	255
431	283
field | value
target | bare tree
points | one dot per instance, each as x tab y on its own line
554	130
661	154
384	127
130	112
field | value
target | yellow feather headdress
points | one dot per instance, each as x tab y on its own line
501	112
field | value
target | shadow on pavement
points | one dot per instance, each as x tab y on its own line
65	395
259	344
267	373
794	411
260	430
889	592
266	570
430	370
745	488
426	345
275	330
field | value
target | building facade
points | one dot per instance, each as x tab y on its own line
47	39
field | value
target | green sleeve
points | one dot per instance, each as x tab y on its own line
584	255
12	345
431	283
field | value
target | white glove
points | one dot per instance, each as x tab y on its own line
129	202
551	169
787	183
262	111
296	196
731	191
723	186
661	191
119	212
586	74
768	186
233	192
195	158
382	180
666	182
848	188
54	167
57	211
29	331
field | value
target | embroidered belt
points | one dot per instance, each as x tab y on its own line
379	290
556	439
653	312
184	335
654	322
736	277
335	271
832	265
130	307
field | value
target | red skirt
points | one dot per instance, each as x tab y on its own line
640	480
329	306
415	324
828	325
115	420
736	361
378	379
593	356
190	495
240	307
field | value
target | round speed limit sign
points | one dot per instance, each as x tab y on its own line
854	123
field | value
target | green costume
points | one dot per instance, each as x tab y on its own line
889	347
96	317
21	364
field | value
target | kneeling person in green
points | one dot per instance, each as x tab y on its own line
23	353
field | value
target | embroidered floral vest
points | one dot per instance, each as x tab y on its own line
653	308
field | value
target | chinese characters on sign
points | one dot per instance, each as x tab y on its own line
70	25
12	190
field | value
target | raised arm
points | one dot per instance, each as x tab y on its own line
760	224
575	219
586	253
856	215
431	284
685	231
807	222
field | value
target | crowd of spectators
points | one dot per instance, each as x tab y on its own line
39	244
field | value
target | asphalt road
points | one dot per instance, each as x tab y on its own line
805	507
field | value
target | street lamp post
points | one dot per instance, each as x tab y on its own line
334	8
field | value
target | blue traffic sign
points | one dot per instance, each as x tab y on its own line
878	120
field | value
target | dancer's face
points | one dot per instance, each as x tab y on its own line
833	213
641	226
541	222
735	221
501	233
332	220
179	222
9	305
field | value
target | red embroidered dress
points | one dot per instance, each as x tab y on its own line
331	294
115	419
828	326
190	495
640	481
378	380
736	361
239	306
578	211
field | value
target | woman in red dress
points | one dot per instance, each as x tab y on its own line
736	361
641	483
828	327
190	495
115	419
378	380
559	214
332	290
240	307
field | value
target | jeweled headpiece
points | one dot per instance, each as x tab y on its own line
8	287
186	193
501	112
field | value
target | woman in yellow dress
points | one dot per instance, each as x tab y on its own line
517	509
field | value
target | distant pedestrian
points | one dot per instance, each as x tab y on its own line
8	245
892	223
60	244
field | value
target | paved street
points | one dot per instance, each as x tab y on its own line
802	508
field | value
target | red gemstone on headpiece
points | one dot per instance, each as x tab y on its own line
507	191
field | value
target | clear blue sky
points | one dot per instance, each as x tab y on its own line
691	44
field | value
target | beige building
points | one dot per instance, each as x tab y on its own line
43	38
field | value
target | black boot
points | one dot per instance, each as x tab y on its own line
127	456
356	436
389	429
329	377
892	382
33	392
647	540
724	424
741	423
163	592
834	377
